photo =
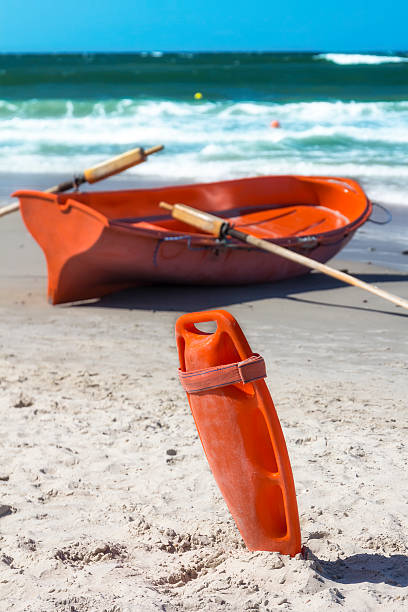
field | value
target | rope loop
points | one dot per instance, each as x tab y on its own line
387	212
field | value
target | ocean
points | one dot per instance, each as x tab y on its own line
340	114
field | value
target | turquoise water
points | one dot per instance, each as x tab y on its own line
344	115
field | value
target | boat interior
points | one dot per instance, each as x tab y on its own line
267	207
299	220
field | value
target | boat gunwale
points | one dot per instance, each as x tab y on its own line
65	201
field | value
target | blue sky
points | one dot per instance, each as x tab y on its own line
202	25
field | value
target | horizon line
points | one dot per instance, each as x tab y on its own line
202	52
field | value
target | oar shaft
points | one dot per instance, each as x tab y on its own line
66	185
6	210
316	265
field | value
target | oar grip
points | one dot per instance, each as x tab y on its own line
119	164
198	218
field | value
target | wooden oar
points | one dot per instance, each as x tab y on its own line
97	173
219	227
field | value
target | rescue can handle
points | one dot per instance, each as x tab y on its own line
226	323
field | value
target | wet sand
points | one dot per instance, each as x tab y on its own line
108	501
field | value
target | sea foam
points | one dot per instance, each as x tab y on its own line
346	59
211	140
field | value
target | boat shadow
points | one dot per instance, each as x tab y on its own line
188	298
364	567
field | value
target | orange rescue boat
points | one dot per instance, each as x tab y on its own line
99	242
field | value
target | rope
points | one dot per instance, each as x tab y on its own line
217	244
387	212
167	239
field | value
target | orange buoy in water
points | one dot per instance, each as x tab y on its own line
275	124
239	430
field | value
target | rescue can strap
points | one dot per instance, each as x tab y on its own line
245	371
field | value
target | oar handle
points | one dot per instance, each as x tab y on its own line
198	218
119	164
216	226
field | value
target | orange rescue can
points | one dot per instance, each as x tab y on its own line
239	430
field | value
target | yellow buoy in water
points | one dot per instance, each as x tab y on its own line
198	95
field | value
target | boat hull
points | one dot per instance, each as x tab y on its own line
90	252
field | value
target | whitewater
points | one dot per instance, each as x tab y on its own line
339	115
214	140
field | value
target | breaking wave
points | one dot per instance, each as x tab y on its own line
347	59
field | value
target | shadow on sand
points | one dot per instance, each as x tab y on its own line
373	567
189	298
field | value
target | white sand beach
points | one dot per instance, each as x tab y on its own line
107	502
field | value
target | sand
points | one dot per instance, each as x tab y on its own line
107	502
